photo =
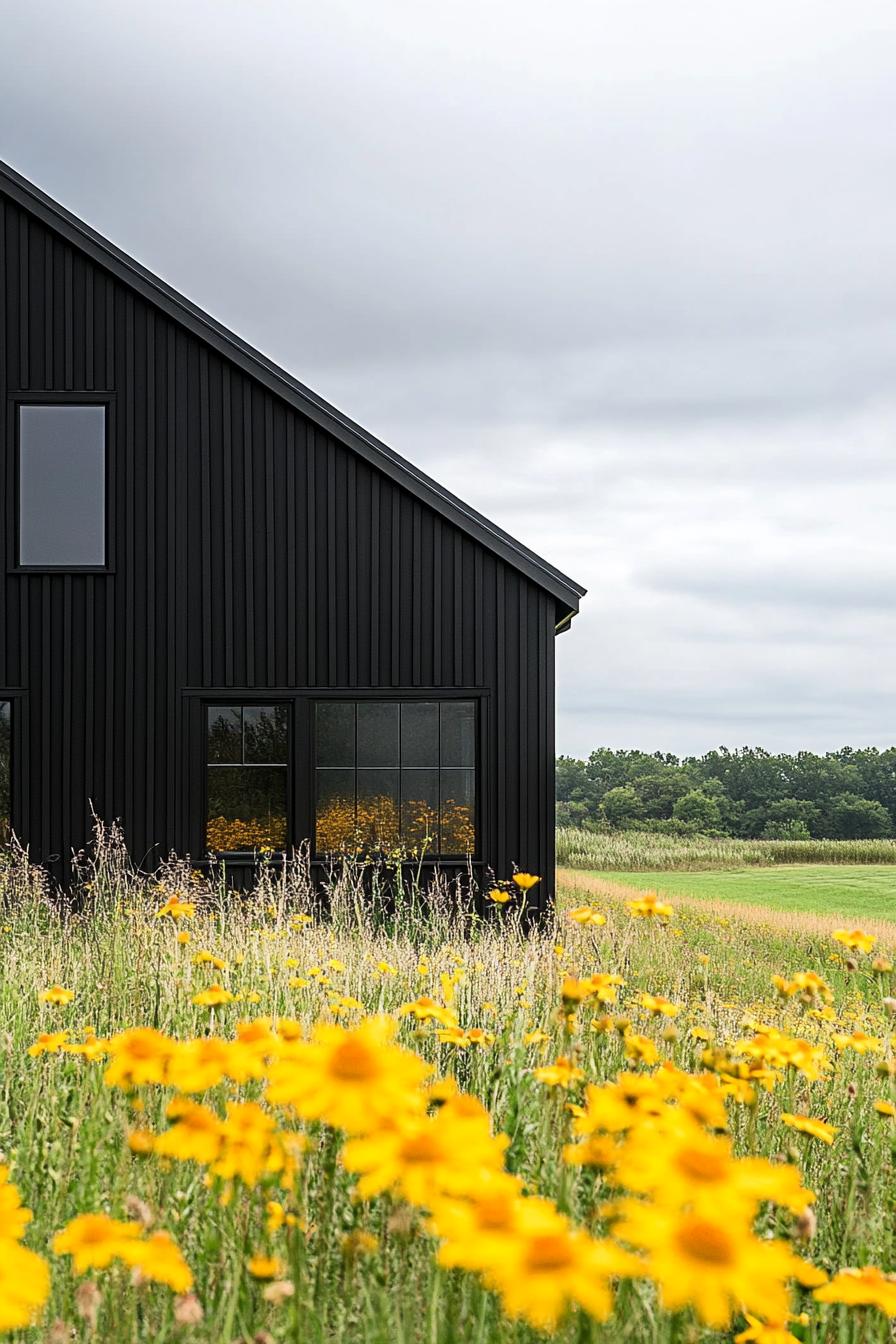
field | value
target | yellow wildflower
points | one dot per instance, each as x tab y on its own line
816	1129
94	1240
855	939
562	1073
525	881
350	1079
213	997
649	906
868	1287
587	915
57	995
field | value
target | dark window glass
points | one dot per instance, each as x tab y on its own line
427	803
458	827
246	808
225	734
419	734
335	732
62	485
264	734
420	809
335	822
458	732
247	782
377	734
5	813
378	809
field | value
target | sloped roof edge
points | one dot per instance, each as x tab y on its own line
180	309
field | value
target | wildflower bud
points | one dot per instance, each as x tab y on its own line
889	1006
622	1025
885	1068
60	1333
806	1224
278	1292
881	965
850	964
851	1091
401	1220
188	1309
670	1033
139	1210
87	1303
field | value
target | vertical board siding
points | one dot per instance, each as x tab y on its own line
250	550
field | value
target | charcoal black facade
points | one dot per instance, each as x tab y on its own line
229	617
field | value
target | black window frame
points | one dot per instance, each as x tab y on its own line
16	401
437	697
250	701
8	699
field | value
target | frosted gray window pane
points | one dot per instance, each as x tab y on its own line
377	734
419	734
458	732
62	485
335	733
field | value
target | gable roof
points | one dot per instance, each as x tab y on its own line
565	590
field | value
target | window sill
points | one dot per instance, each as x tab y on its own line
61	569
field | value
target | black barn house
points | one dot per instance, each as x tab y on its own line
230	617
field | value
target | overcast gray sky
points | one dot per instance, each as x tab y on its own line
622	275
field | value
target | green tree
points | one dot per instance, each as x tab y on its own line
790	829
853	818
698	810
622	806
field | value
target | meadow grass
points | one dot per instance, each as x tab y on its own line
366	1270
644	851
859	892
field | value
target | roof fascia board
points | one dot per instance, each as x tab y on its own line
315	408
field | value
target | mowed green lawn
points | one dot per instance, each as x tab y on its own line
855	891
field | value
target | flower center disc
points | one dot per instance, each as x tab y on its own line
547	1253
702	1240
353	1062
421	1148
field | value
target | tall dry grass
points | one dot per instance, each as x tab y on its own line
634	851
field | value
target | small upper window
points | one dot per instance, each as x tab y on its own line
62	486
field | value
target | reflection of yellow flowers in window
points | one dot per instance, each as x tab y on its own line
420	824
458	828
227	834
376	824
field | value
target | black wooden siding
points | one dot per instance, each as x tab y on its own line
251	551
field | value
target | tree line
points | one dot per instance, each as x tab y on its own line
848	794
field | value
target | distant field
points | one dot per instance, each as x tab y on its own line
854	891
643	851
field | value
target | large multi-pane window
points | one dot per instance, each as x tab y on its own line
62	486
248	749
5	724
390	774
